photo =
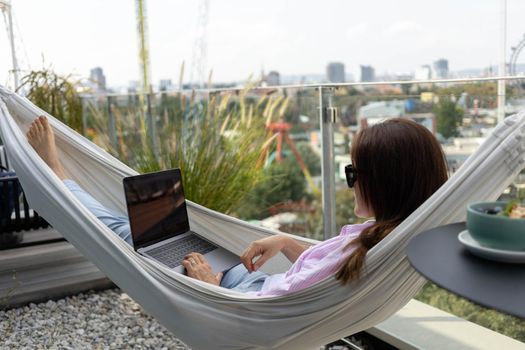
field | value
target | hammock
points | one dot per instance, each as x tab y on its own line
209	317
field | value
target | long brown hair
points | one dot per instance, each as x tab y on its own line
399	164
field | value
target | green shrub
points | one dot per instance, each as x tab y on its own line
56	95
505	324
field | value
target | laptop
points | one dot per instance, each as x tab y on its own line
159	222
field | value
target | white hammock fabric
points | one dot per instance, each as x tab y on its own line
209	317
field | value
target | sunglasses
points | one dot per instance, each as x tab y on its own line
351	175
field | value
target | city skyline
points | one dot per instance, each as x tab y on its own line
290	38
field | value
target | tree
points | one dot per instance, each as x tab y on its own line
405	89
484	92
310	158
344	208
344	213
449	117
283	182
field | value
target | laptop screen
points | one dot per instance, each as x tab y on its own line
156	206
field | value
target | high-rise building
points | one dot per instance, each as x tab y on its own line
335	72
365	73
98	79
440	69
423	73
273	78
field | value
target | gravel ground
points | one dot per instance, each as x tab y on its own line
95	320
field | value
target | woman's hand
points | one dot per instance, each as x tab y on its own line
198	268
264	249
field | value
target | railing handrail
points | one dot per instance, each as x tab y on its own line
320	85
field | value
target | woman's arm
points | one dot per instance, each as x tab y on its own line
292	249
267	248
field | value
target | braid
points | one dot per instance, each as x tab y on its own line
350	270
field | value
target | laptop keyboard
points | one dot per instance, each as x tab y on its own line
172	253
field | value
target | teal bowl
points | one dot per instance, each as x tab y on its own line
495	231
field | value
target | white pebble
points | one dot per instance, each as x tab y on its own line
100	320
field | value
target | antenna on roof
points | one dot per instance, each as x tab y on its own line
5	7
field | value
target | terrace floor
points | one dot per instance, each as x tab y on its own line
41	272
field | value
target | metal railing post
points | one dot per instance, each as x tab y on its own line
152	126
112	126
328	115
502	69
84	102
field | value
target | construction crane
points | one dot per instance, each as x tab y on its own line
198	72
5	7
142	31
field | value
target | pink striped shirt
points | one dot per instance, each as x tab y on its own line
314	264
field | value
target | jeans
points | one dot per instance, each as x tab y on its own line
240	280
117	222
237	278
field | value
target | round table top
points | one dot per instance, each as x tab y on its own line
440	257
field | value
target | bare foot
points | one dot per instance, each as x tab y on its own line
42	138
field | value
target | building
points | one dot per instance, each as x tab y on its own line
459	150
365	73
166	85
376	112
428	97
133	86
97	79
335	72
440	69
423	73
273	78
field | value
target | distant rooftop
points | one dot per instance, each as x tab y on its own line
383	109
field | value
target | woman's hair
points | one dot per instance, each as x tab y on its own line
399	164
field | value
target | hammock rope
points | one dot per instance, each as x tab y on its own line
210	317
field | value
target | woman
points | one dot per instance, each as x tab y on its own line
396	166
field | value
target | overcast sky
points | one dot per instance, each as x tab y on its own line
290	36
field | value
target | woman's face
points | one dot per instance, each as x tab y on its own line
361	209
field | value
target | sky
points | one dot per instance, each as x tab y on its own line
293	37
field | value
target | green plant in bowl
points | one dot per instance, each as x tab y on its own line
488	224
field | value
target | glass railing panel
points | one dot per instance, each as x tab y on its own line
129	126
461	115
115	122
275	132
250	153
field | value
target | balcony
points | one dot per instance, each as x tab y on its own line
299	137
